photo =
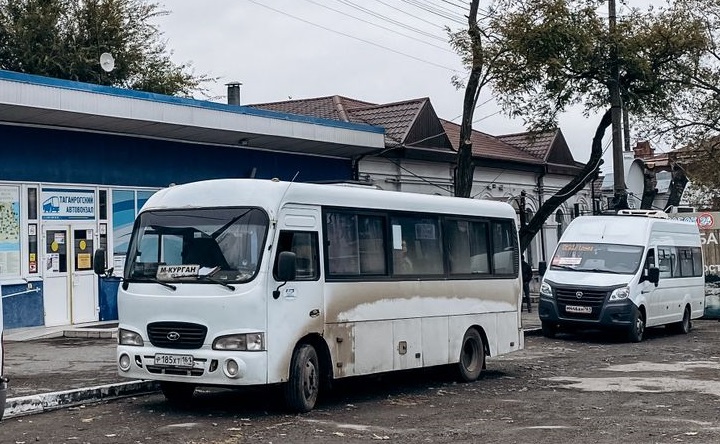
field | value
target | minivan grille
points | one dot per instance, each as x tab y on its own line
580	297
189	336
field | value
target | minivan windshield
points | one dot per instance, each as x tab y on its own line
597	258
209	245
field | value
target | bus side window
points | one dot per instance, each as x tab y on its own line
305	246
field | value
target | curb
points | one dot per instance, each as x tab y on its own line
32	404
535	331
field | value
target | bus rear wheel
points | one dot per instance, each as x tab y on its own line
177	392
303	386
472	356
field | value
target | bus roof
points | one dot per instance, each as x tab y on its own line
270	194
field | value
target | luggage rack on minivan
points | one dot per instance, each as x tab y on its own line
659	214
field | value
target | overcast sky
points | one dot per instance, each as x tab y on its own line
379	51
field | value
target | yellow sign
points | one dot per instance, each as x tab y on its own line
54	246
83	244
83	261
32	257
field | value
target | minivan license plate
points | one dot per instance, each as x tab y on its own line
578	309
174	360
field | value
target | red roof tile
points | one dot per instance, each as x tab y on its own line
397	119
536	143
485	145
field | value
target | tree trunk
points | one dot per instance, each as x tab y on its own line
465	169
528	232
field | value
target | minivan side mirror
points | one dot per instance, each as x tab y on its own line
653	276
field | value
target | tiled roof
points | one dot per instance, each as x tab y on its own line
485	145
396	118
330	107
536	143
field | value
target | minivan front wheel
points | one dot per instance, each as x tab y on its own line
637	329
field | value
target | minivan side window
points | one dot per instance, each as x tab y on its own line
665	264
680	262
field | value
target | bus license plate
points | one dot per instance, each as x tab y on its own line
174	360
578	309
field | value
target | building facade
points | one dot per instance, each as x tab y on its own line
80	160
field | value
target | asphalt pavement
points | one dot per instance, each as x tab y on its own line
57	367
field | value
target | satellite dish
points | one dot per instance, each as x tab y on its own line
107	62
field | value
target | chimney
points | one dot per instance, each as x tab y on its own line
233	93
643	150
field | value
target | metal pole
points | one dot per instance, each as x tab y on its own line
620	194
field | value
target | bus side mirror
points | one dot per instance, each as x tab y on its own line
286	270
99	262
542	267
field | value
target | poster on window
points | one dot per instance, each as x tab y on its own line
9	231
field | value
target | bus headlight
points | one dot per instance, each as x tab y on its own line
620	293
240	342
127	337
546	290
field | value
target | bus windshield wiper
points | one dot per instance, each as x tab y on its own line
154	281
216	281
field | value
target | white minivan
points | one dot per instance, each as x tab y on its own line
626	272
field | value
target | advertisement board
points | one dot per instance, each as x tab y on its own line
709	224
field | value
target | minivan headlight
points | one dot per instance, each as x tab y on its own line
240	342
128	337
546	290
620	293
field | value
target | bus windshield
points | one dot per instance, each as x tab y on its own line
597	258
197	245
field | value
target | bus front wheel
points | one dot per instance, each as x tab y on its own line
472	356
303	386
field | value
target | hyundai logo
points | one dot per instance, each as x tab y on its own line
578	294
174	336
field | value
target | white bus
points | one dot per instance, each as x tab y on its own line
238	282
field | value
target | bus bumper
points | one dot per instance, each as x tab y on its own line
209	367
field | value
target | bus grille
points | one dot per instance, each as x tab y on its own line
189	336
588	298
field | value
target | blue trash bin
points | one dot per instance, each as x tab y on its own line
108	297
